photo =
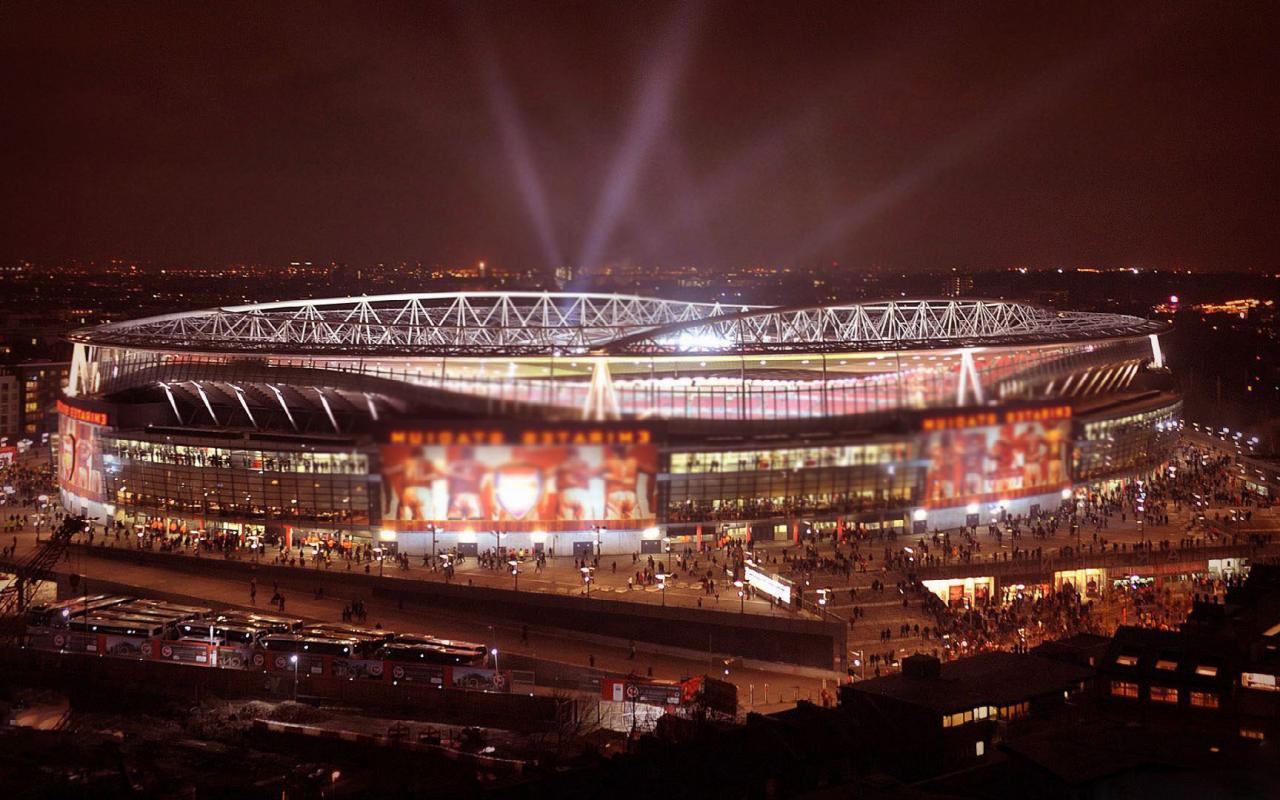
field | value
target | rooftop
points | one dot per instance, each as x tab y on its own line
995	678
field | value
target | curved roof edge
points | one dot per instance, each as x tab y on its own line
499	324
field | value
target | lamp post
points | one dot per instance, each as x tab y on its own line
293	659
662	584
742	596
515	572
823	594
586	578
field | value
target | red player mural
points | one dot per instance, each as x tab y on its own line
988	464
517	484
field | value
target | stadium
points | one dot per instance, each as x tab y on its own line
602	424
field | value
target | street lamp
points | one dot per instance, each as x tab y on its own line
662	584
293	659
586	578
494	652
515	572
742	596
823	595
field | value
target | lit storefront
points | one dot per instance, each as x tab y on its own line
1090	583
962	592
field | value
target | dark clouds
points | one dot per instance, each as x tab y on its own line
897	134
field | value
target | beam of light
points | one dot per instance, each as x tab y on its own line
1031	100
646	124
515	142
694	203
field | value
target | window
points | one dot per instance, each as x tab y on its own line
1207	670
1015	711
1258	680
1166	664
1164	694
1204	699
1253	733
1124	660
979	748
1124	689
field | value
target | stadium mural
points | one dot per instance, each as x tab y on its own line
995	462
516	486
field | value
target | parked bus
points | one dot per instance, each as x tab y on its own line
350	631
266	622
474	652
55	615
186	612
219	632
290	644
429	654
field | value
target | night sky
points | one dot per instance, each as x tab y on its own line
898	135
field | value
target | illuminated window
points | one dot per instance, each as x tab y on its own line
1204	699
1253	733
1123	660
979	748
1015	711
1166	664
1207	670
1258	680
1164	694
1124	689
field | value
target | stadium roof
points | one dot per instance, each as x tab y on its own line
506	324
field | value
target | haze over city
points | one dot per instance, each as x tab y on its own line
907	136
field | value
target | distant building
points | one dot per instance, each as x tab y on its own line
1219	674
29	393
947	715
957	284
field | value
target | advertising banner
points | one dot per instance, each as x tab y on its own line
419	673
79	463
518	487
368	669
997	462
479	679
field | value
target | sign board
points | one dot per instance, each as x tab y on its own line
776	586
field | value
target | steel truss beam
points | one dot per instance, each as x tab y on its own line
549	324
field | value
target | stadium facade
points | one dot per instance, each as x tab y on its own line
607	424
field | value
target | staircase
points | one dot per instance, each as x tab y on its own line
15	597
